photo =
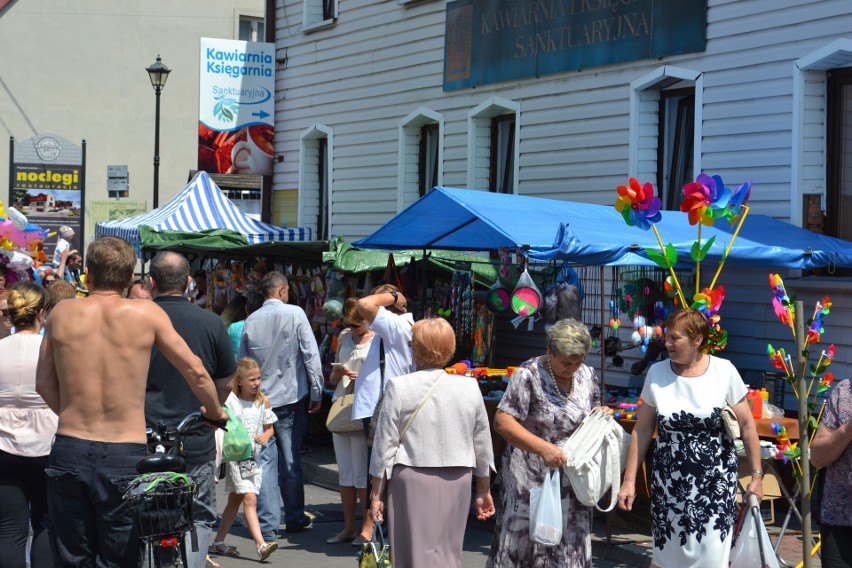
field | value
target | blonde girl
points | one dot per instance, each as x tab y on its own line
243	479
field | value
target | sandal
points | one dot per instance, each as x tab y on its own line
266	549
222	549
210	564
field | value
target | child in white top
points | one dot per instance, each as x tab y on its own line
243	478
62	244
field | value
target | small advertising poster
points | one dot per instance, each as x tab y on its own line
102	211
236	107
50	196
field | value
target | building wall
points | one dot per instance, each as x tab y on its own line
381	61
77	69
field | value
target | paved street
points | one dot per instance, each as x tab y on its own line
308	548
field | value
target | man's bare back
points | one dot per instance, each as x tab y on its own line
93	366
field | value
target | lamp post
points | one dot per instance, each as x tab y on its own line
158	73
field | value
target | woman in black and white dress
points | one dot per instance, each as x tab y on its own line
693	487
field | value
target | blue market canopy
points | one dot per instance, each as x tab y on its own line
200	206
583	233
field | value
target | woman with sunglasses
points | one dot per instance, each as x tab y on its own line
350	448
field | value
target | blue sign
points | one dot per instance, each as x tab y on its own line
488	41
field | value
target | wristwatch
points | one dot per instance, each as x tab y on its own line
757	472
395	297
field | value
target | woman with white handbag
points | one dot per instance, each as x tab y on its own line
694	472
546	401
350	443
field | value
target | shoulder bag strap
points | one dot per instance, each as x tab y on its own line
419	406
382	366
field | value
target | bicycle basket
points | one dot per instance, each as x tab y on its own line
161	504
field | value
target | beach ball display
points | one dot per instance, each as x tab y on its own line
332	310
526	301
498	300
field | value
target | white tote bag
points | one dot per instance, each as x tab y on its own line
546	510
597	454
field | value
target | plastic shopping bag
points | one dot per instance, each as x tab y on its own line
546	510
237	444
753	548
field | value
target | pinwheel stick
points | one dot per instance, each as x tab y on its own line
698	265
814	375
671	268
745	210
819	417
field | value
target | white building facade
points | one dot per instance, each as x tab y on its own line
366	126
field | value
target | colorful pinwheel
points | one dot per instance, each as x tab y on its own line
738	198
638	204
706	199
825	382
815	330
708	302
778	358
784	308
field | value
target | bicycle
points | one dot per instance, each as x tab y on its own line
160	498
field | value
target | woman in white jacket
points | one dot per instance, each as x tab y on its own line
432	436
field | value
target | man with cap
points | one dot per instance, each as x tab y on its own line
66	233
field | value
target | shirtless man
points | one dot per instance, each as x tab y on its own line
92	371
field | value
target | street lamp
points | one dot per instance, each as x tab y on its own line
158	73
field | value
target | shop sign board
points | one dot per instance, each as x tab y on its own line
488	41
236	107
47	182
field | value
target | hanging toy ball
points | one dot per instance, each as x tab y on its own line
614	324
332	310
526	301
636	337
498	300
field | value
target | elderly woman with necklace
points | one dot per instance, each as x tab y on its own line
546	400
694	481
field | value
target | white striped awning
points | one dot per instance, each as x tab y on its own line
199	206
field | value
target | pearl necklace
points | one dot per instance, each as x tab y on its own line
559	392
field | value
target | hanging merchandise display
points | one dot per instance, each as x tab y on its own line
332	310
483	335
462	304
498	299
526	299
561	301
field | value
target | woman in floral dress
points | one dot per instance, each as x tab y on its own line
693	487
546	400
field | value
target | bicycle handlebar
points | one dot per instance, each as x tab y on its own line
164	434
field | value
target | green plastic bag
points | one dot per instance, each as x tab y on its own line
237	444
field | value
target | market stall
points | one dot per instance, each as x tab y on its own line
199	206
589	234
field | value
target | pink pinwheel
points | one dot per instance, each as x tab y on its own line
706	199
638	204
738	198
